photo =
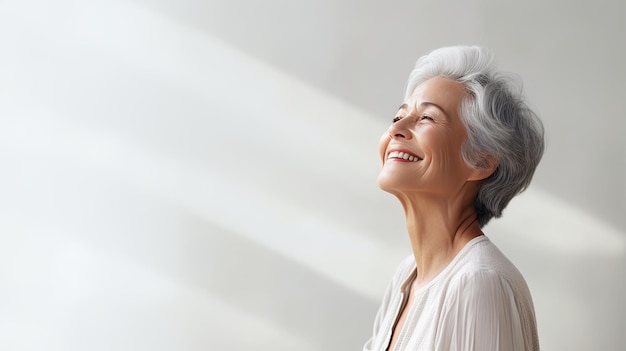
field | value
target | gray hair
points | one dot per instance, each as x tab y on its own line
499	123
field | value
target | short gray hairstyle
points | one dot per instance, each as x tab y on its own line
499	123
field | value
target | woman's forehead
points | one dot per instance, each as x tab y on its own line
440	92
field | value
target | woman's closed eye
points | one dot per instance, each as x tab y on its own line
421	118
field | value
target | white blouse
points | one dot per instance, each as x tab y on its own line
479	302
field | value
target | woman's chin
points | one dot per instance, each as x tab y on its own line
389	183
383	181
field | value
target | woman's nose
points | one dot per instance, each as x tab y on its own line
400	129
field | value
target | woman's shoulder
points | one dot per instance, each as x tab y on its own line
485	266
485	304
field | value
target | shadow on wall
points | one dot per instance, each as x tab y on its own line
146	207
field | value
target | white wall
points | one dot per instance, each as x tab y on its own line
169	186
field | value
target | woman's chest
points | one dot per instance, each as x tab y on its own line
412	322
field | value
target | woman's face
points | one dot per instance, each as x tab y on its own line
421	150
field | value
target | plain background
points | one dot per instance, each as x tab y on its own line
201	175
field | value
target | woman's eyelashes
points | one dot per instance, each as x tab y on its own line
420	118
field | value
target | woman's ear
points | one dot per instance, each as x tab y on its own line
485	170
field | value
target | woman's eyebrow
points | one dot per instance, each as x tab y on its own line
425	103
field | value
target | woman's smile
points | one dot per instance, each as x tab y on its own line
402	156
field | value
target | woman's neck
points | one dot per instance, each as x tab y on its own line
438	230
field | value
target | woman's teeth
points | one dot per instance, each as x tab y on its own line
403	155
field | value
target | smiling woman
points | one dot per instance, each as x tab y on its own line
435	136
460	147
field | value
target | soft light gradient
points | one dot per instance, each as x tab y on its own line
189	175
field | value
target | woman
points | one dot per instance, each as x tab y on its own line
459	148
